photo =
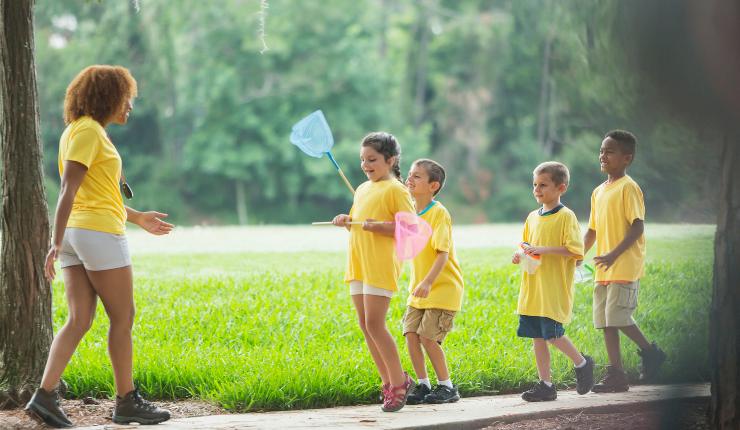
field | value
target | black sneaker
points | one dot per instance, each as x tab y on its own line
540	393
615	381
652	358
442	394
417	393
132	408
44	406
585	376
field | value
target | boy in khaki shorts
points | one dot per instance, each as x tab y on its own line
436	288
616	224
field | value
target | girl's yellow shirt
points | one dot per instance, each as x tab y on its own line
372	257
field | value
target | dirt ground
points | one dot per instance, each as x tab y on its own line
675	416
88	412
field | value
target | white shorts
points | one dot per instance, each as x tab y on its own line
357	287
95	250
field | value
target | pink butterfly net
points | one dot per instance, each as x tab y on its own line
412	234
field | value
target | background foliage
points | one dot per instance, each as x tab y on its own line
489	88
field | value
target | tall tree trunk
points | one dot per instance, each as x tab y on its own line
25	308
241	202
725	310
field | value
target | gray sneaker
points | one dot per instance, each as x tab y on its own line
44	407
132	408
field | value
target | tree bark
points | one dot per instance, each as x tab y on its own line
725	318
25	308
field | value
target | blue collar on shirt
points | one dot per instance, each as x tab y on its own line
552	211
426	209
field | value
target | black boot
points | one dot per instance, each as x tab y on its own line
132	408
44	406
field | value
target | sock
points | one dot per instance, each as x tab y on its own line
583	363
425	381
447	383
548	383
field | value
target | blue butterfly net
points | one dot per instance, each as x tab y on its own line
313	135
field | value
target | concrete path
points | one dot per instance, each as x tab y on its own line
469	413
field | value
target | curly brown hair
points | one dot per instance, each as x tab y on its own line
100	92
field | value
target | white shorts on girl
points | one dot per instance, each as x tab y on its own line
95	250
357	287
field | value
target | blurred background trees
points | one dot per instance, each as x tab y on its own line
489	88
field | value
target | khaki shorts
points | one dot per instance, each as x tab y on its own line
614	304
429	323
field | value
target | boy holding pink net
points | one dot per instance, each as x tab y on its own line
436	288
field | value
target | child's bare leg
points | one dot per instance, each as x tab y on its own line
611	339
359	303
542	358
633	332
416	355
564	344
437	357
376	308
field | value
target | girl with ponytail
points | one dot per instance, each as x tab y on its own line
372	266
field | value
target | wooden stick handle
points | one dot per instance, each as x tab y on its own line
346	182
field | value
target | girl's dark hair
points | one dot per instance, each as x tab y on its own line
388	146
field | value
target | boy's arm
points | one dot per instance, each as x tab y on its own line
542	250
422	290
588	240
635	231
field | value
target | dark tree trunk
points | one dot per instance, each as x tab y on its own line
725	311
25	296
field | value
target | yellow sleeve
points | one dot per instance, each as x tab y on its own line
400	200
442	234
83	147
592	215
634	204
572	239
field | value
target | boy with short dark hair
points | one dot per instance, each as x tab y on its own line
436	288
616	224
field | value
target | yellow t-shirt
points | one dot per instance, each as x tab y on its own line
447	289
549	291
613	209
372	257
98	204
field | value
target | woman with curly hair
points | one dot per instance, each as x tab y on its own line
89	240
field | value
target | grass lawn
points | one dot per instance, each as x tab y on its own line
255	331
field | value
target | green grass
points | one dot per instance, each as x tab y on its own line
257	331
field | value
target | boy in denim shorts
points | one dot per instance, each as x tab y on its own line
616	225
546	296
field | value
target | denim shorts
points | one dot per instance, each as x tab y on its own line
539	327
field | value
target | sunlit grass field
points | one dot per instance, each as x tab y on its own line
257	331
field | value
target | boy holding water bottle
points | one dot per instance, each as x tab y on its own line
552	236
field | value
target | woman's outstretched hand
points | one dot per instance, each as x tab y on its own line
151	221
